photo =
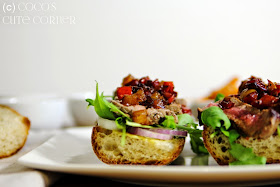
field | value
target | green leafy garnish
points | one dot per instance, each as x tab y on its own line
117	111
185	122
219	97
169	122
100	105
243	155
233	135
121	124
215	118
104	108
184	119
197	144
224	131
133	124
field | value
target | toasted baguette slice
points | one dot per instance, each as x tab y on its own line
137	149
13	131
218	147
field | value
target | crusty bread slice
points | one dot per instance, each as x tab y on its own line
137	149
218	146
13	131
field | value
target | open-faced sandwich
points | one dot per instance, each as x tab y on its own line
143	124
244	128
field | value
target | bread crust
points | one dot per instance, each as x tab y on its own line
210	146
219	146
25	123
119	153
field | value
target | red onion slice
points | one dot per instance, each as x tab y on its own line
170	132
147	133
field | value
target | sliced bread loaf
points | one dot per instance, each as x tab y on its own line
13	131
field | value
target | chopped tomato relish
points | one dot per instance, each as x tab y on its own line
147	92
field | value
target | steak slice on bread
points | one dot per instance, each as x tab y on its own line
251	121
13	131
254	119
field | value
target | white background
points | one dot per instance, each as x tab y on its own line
197	44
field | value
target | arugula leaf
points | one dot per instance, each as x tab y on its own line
133	124
244	155
116	110
169	122
121	124
184	119
224	131
215	117
104	108
101	106
233	135
219	97
197	145
185	122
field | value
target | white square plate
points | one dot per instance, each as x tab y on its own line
71	152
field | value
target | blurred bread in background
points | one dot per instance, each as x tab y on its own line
14	130
229	88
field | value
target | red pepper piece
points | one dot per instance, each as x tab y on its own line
168	87
167	95
171	99
125	90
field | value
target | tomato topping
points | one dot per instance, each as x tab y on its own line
259	94
167	95
122	91
171	99
146	92
168	86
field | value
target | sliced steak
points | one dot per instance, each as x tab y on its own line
246	119
250	121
